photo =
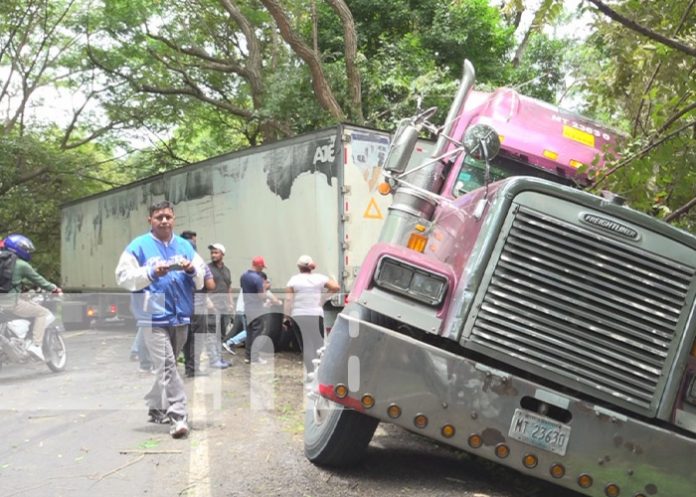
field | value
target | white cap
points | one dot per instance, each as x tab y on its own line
305	261
218	246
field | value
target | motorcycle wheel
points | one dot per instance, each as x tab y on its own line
54	351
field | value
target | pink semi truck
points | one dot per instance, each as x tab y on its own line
509	314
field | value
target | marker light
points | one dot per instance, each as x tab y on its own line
421	421
585	480
383	188
575	163
91	312
341	391
475	441
367	401
417	242
557	471
550	154
530	461
393	411
612	490
448	431
502	451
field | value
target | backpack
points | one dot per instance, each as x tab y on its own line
7	263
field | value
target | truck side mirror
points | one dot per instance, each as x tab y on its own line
402	147
405	140
482	142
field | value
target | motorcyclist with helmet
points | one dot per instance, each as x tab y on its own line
22	273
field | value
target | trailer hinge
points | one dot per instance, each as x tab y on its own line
345	245
345	218
345	189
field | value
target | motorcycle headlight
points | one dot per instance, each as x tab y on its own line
410	281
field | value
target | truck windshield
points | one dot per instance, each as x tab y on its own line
472	173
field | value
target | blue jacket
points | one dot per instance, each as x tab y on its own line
164	301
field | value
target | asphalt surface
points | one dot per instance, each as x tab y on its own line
83	432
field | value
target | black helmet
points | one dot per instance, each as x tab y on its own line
20	245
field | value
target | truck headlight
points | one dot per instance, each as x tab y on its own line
410	281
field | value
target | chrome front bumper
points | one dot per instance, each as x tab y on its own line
449	398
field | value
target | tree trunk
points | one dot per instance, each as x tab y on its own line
351	54
322	89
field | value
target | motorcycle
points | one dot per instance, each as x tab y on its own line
16	337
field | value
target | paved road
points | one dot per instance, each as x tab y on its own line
83	432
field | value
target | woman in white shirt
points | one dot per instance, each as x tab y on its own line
306	293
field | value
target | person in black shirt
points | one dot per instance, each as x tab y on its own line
221	298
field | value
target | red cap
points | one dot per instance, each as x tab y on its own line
258	262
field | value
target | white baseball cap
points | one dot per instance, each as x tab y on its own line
217	246
305	261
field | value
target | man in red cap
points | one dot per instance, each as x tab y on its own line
253	293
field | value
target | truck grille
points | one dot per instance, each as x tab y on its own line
564	301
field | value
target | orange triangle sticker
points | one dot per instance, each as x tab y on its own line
372	211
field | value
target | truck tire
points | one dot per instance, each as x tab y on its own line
334	435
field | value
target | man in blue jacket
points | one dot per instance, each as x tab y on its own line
163	270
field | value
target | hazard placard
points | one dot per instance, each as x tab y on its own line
372	211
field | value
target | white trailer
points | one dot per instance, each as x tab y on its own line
312	194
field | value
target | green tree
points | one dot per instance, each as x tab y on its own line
270	70
638	69
44	160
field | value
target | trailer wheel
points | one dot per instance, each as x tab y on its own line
334	435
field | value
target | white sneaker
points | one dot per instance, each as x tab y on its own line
36	351
180	428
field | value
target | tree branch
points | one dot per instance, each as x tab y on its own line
634	26
641	153
682	21
676	116
210	62
351	54
680	211
322	89
254	59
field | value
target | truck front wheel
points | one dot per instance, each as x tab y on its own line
334	435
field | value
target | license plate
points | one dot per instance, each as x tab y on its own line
539	431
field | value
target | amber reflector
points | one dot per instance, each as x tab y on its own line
502	451
550	154
448	431
383	188
557	471
367	401
421	421
693	349
394	411
612	490
585	481
341	391
417	242
475	441
576	163
530	461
